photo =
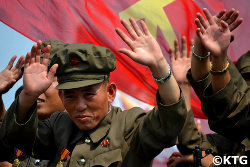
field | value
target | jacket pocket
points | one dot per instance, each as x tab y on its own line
110	158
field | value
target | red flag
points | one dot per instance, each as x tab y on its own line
94	21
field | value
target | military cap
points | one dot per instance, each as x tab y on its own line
243	63
55	46
81	65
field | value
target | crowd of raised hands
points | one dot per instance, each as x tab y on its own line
206	55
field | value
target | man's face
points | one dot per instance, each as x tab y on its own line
49	102
87	106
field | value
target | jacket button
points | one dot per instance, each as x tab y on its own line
87	140
37	162
82	161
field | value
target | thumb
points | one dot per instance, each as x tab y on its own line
52	72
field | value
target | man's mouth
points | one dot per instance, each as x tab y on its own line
40	101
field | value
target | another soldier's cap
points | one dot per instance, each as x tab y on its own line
243	64
55	46
81	65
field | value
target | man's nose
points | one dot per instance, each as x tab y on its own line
81	104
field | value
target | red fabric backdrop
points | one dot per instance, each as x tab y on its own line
93	21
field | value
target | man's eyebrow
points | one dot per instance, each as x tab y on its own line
87	89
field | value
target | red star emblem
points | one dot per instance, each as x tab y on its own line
43	50
74	62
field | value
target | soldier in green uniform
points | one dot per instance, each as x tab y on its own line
221	88
48	103
93	131
189	137
8	77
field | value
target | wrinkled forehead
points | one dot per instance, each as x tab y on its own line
90	88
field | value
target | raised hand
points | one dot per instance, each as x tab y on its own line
36	77
230	17
181	60
146	51
214	38
9	76
144	48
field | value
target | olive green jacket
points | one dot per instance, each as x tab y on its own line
189	137
228	109
135	137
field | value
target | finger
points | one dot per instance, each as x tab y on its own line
202	21
124	37
136	27
128	52
184	46
233	17
171	54
11	62
46	55
199	25
235	24
198	125
145	28
177	154
228	15
33	54
27	60
20	62
38	51
199	34
52	72
176	49
19	75
129	29
208	16
221	13
224	26
191	48
171	160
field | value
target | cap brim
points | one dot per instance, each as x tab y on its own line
78	84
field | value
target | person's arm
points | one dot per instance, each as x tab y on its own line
216	40
2	108
8	77
36	79
163	123
228	105
181	63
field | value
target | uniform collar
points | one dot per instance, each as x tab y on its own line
102	129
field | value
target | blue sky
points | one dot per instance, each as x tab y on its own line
12	43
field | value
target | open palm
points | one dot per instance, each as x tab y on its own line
181	61
214	38
36	78
143	45
9	76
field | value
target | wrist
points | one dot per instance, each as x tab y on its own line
160	70
219	63
199	48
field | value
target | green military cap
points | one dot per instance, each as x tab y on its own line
81	65
55	46
243	63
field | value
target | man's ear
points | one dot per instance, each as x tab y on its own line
111	88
